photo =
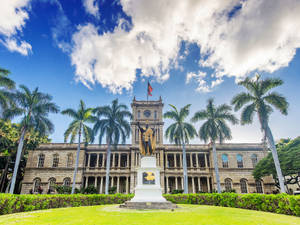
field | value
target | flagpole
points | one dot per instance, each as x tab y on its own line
147	90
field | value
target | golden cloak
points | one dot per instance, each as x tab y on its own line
147	135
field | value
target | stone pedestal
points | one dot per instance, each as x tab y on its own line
148	192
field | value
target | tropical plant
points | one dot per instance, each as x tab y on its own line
289	155
258	99
34	108
180	133
6	84
215	128
9	136
78	127
111	123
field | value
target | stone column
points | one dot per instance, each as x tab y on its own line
86	181
205	159
97	161
118	184
101	184
167	185
175	163
199	184
191	160
208	184
136	159
197	158
89	160
176	183
113	161
181	179
95	182
193	184
166	163
103	159
127	183
112	181
180	160
119	160
127	163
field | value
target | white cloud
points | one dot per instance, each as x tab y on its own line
13	16
261	36
11	44
92	7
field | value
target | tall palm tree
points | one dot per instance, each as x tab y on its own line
215	128
111	123
34	108
258	99
6	84
78	127
180	133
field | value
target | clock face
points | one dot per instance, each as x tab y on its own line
147	113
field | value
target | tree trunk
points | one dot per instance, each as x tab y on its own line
4	175
216	167
185	176
107	168
17	162
77	161
270	139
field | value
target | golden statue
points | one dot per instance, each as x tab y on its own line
147	140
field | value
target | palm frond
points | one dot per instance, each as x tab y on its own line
278	101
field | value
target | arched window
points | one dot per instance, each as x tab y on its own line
41	160
51	185
228	184
36	184
67	181
70	160
254	160
259	188
243	183
155	114
55	160
225	161
239	159
139	114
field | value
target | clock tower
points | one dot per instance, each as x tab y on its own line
147	112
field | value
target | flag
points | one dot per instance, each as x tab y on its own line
149	89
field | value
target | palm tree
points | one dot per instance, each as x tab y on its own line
7	84
180	132
260	101
111	122
78	127
34	108
215	128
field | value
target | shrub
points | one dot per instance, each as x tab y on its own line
24	203
112	190
177	191
280	203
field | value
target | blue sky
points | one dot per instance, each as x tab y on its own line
101	50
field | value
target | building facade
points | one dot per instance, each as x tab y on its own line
54	163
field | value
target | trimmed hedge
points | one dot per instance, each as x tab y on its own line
24	203
281	203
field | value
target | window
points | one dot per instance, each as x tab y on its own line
258	185
139	114
52	182
155	114
41	161
228	184
67	181
55	160
225	161
254	160
36	184
239	159
70	160
243	183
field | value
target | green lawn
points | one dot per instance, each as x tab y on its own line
186	214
